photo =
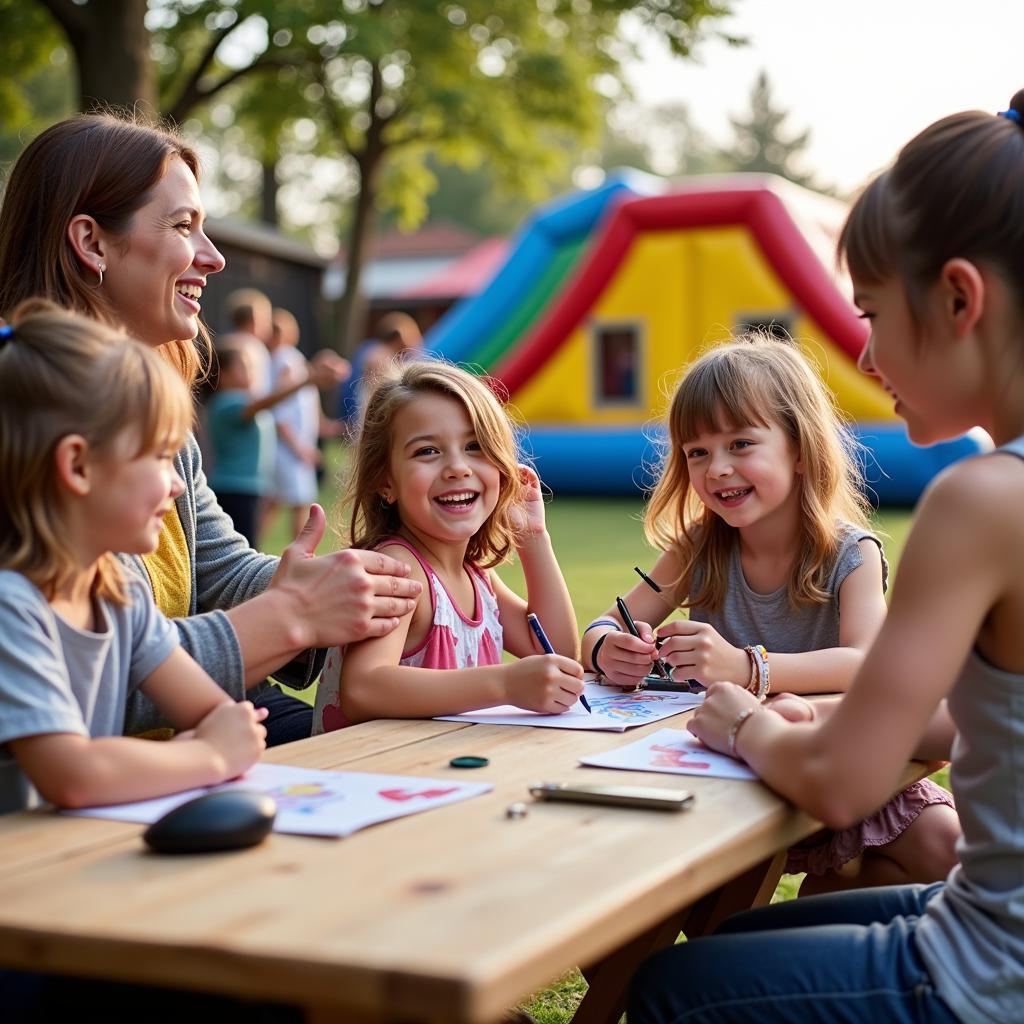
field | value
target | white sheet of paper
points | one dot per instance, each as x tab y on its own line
673	752
613	710
317	803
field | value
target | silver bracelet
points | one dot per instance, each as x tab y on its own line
734	729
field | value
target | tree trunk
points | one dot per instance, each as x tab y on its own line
111	46
369	160
268	194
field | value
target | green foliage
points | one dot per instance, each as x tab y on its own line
35	87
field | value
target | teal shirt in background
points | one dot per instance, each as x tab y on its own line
243	448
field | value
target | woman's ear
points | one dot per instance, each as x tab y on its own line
88	242
962	293
71	461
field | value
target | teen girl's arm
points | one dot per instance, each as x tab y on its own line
624	659
374	685
547	595
956	575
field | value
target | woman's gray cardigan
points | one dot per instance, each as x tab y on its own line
225	572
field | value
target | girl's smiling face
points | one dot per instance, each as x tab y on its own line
157	271
745	474
444	485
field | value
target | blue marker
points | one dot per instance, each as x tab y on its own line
538	631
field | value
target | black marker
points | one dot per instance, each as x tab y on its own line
689	685
538	632
631	626
647	579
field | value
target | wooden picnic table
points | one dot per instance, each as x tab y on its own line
445	917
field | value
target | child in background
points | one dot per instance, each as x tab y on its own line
300	423
79	479
765	541
435	483
934	248
242	435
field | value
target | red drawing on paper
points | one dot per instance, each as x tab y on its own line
401	795
676	756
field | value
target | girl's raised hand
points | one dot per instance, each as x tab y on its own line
625	659
713	720
700	652
529	520
546	683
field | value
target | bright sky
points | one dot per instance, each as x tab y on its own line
863	75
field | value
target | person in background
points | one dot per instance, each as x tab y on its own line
300	423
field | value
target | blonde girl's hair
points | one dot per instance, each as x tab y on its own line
372	520
758	380
105	165
62	373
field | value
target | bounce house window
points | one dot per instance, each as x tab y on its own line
780	327
617	351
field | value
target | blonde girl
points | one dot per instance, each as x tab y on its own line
764	532
89	424
436	484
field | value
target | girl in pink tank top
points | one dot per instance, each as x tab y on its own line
435	482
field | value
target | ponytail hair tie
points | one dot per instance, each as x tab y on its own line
1011	115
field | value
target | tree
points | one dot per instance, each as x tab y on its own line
512	85
500	82
761	143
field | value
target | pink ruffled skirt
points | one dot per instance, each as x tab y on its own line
829	851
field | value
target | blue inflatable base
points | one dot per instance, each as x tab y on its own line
623	461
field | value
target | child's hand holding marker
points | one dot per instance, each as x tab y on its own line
542	639
624	657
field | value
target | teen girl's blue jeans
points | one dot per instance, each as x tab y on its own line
844	958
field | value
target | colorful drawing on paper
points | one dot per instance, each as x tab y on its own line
613	710
634	708
304	797
312	802
673	752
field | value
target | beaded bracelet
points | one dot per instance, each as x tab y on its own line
759	669
734	729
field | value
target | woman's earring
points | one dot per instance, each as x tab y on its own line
101	270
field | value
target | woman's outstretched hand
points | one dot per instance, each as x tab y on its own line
345	596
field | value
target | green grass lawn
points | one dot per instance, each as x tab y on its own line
598	541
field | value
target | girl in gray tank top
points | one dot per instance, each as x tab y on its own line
778	570
934	249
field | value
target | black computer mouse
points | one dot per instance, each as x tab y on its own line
226	819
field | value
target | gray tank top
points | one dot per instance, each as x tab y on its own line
971	935
747	617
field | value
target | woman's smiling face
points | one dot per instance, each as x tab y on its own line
156	271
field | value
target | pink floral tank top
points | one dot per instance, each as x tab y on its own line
453	640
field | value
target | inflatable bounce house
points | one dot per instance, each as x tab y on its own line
605	295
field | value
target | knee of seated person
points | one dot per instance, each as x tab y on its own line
938	830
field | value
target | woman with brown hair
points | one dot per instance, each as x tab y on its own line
102	214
